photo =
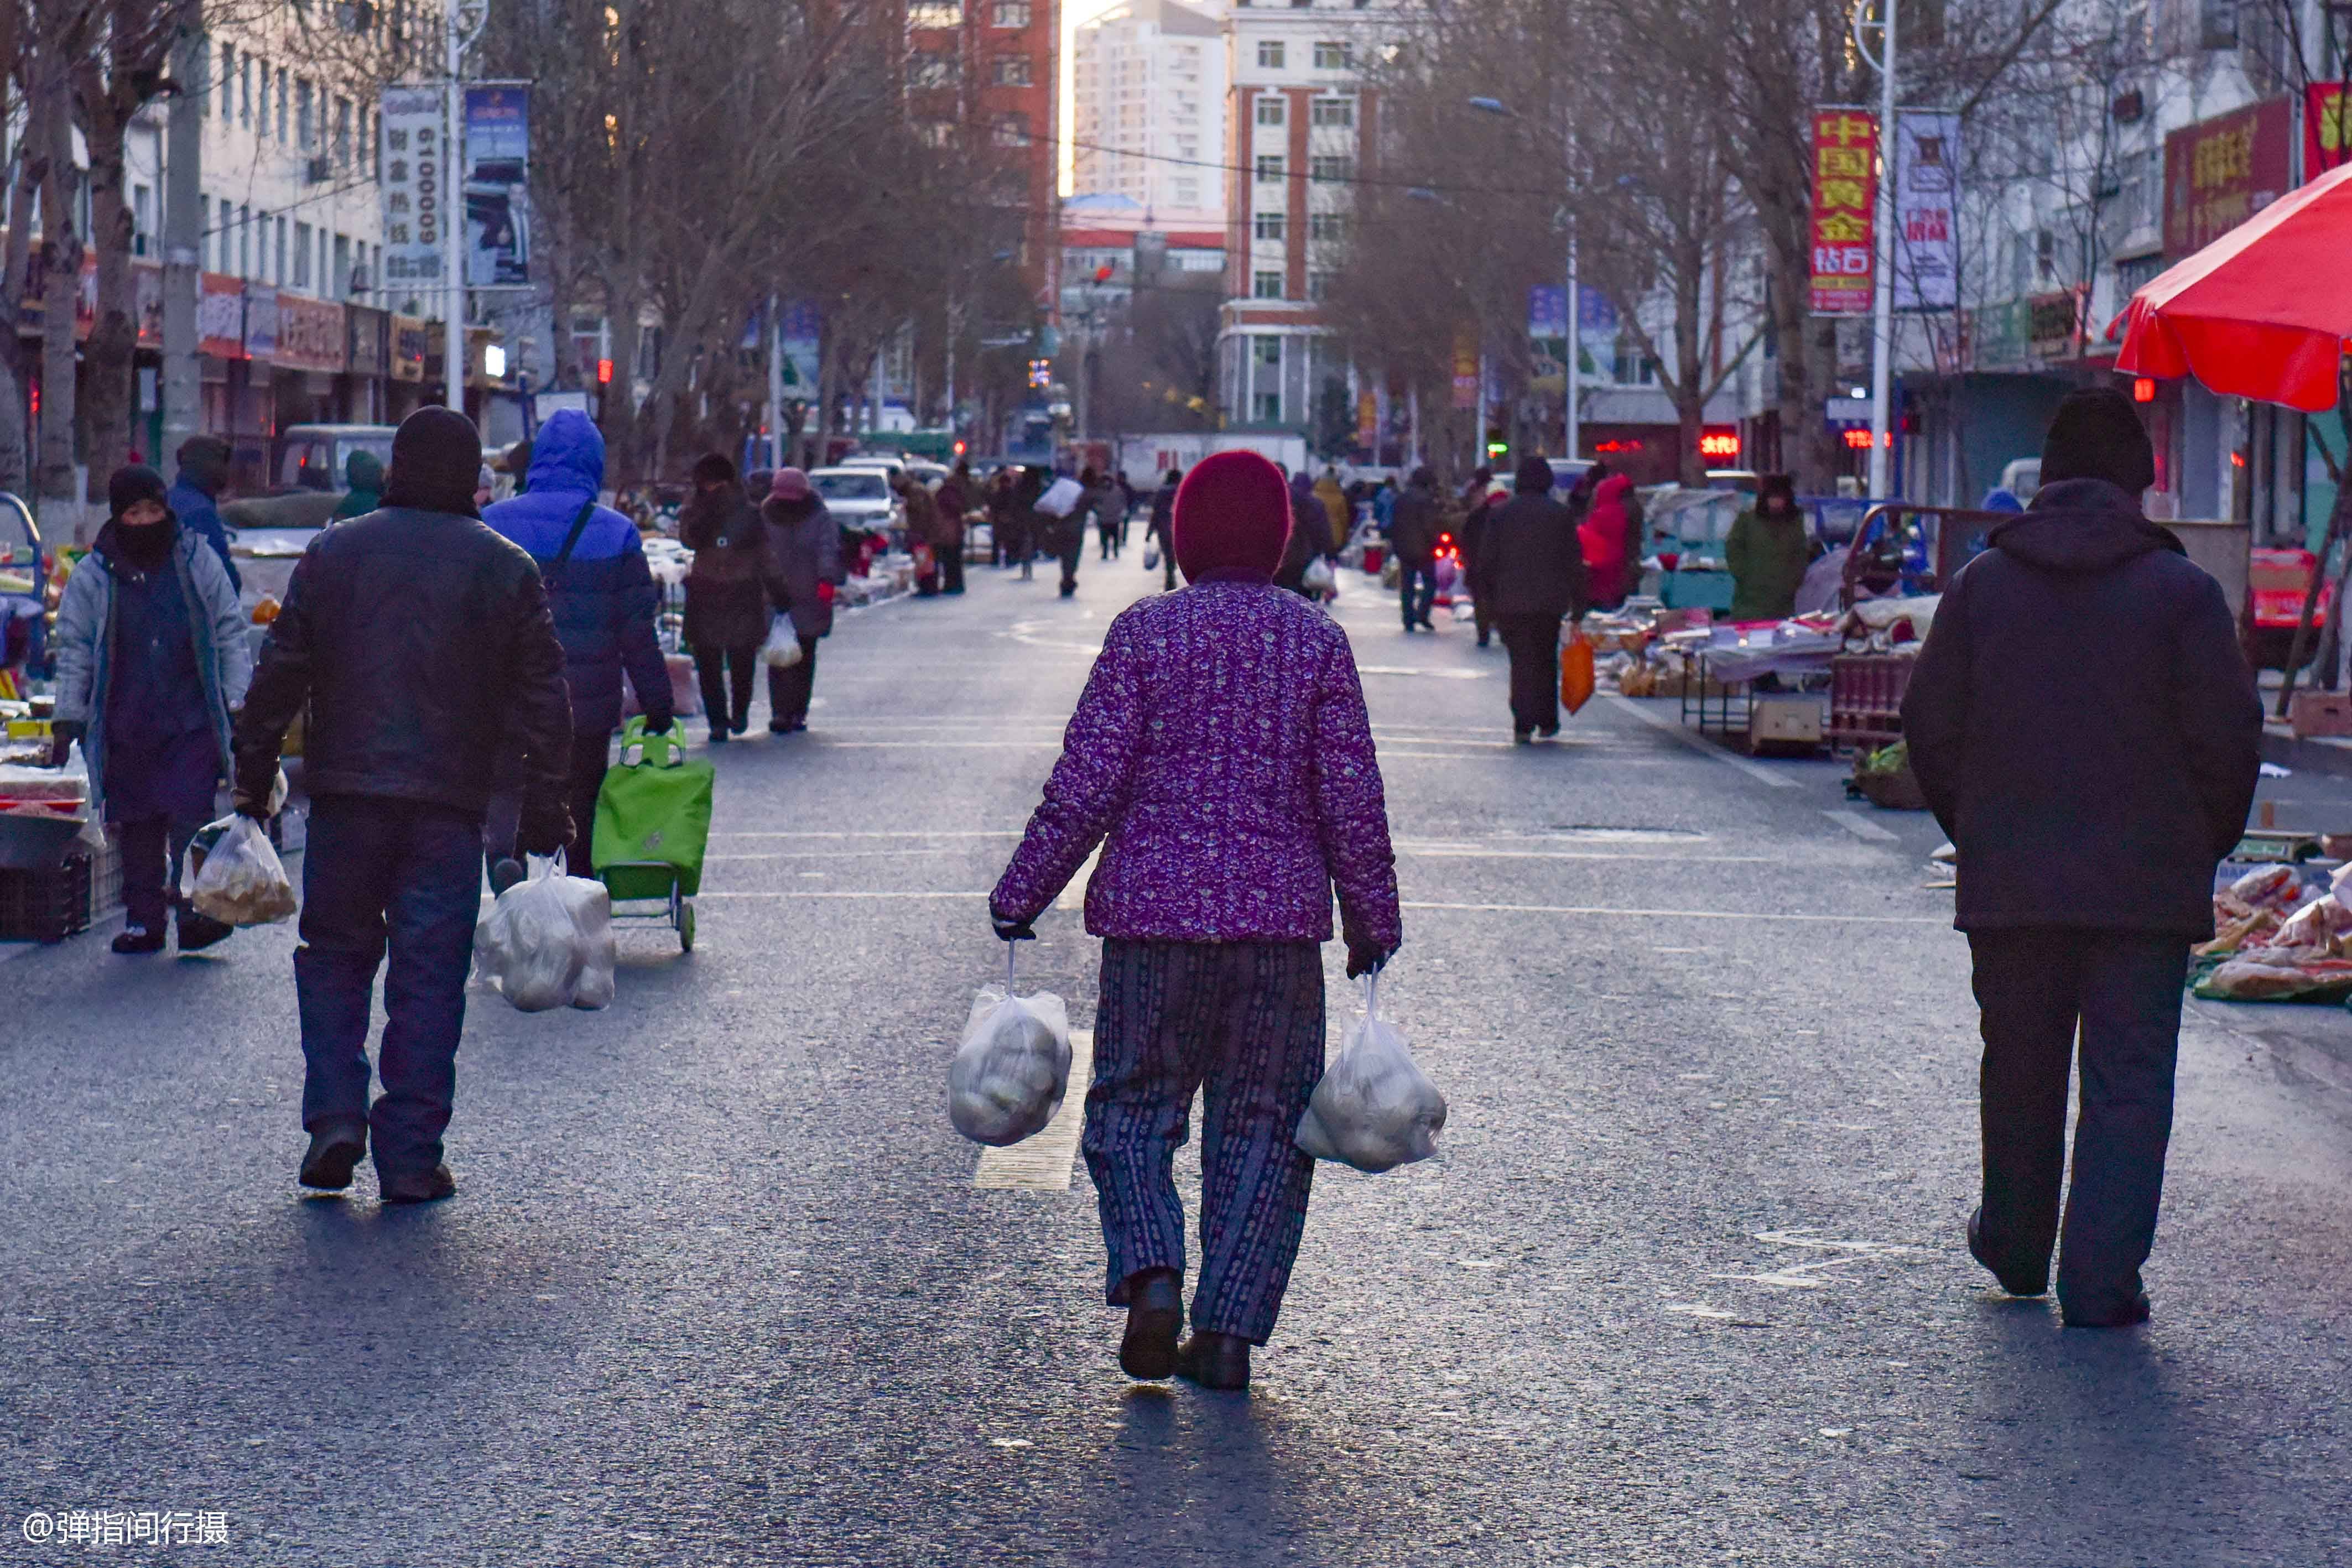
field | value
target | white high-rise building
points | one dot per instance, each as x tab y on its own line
1148	79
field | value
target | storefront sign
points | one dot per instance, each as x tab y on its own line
311	334
2051	324
416	188
1845	198
220	318
1927	208
412	340
260	322
365	333
497	157
2326	129
2221	172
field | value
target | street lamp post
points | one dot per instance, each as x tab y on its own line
1571	420
462	23
1882	303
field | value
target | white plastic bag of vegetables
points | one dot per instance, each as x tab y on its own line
231	874
1012	1069
1374	1109
548	941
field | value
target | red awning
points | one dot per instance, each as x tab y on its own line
2264	312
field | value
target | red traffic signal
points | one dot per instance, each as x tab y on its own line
1103	274
603	373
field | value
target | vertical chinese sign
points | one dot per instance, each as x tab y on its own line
415	189
1845	197
1927	204
1466	370
2327	128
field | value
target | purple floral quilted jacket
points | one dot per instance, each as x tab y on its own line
1222	757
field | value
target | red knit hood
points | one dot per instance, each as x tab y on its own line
1233	517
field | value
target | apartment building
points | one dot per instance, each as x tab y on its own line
1147	116
987	67
1300	126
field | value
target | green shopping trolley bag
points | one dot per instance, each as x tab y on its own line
653	817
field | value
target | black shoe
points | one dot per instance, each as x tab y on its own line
417	1187
1482	640
2132	1312
335	1151
1548	732
1155	1316
1523	737
740	723
1215	1361
198	932
778	726
718	734
140	940
2017	1282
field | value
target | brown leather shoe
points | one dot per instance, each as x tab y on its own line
1155	1316
1215	1361
335	1151
417	1186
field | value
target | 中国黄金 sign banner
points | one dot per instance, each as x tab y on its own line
415	185
2221	172
1845	199
1926	210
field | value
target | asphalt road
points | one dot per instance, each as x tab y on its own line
1686	1285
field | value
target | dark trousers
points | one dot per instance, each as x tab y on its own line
1416	592
151	849
789	689
591	754
378	874
1168	566
2035	990
1245	1021
1072	550
1533	643
1111	542
951	567
725	674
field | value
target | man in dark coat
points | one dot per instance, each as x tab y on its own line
421	642
2083	725
195	496
603	597
1412	535
1162	531
726	592
955	500
1532	574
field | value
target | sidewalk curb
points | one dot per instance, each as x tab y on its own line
2315	755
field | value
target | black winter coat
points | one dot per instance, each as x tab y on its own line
1529	561
1414	526
2083	725
726	592
422	643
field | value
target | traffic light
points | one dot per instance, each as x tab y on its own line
1495	449
960	449
1103	274
603	373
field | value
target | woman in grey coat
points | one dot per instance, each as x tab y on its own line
804	567
153	654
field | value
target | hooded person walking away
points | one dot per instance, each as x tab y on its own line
602	595
1221	758
1768	550
1413	529
955	498
2083	725
1161	530
1478	507
726	596
421	643
365	477
194	496
1533	575
1605	538
152	657
805	568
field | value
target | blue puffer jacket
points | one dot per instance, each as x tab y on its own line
603	597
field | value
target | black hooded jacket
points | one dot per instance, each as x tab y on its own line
2083	723
1530	560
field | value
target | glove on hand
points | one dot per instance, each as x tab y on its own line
1366	957
1011	930
63	733
545	827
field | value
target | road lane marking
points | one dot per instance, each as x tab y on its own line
1861	827
883	833
1674	725
1053	744
1685	913
830	892
1434	674
1042	1163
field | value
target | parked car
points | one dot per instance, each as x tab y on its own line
267	533
860	497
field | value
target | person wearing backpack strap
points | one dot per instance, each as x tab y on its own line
602	596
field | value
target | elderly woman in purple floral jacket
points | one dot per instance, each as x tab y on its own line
1222	760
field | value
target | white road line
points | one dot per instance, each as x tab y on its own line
1042	1163
882	833
1436	675
1053	744
706	895
1861	827
1674	725
1687	913
828	855
1449	853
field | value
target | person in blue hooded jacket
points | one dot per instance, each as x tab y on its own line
603	597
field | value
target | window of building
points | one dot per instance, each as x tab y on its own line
142	217
262	124
1012	70
339	282
1266	285
282	77
1269	110
277	272
1333	56
343	132
204	81
244	243
1329	227
1010	14
1267	349
1013	131
1318	286
1268	408
1268	225
1334	112
931	68
937	132
302	115
937	15
302	255
1269	53
204	230
1331	170
1269	169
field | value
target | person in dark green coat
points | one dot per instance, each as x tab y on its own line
366	477
1767	551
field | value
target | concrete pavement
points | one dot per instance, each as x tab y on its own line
1684	1287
